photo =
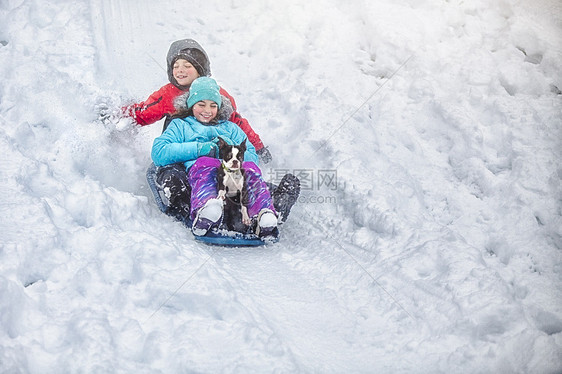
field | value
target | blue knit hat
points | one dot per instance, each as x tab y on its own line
204	88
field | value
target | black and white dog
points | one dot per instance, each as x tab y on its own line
231	178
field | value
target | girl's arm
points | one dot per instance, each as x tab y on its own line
174	145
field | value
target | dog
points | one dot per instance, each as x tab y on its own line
231	177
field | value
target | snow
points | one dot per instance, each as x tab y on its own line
432	244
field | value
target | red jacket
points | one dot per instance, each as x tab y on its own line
161	104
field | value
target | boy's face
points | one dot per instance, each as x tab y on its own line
184	72
205	110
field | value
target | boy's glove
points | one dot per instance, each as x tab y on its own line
209	149
107	114
104	113
264	155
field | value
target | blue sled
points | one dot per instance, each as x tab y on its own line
216	236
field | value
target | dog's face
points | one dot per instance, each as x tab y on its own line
232	155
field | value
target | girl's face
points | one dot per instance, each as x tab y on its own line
184	72
205	110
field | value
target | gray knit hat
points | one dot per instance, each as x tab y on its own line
190	50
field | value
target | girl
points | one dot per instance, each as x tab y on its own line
192	141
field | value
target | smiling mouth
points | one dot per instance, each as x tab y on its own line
205	117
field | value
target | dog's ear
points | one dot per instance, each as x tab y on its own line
222	143
243	146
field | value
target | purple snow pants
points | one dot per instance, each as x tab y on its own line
202	178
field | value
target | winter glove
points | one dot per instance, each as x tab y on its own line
103	111
209	149
107	114
264	155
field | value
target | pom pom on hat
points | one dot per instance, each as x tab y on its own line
204	88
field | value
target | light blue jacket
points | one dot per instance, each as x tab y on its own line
179	142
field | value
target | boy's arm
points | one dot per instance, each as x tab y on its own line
242	122
158	105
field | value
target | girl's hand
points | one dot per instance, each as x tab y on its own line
209	149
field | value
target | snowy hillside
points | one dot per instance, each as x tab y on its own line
428	237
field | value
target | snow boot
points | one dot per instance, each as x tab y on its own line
174	190
208	216
266	227
286	195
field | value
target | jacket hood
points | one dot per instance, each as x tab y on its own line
193	52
